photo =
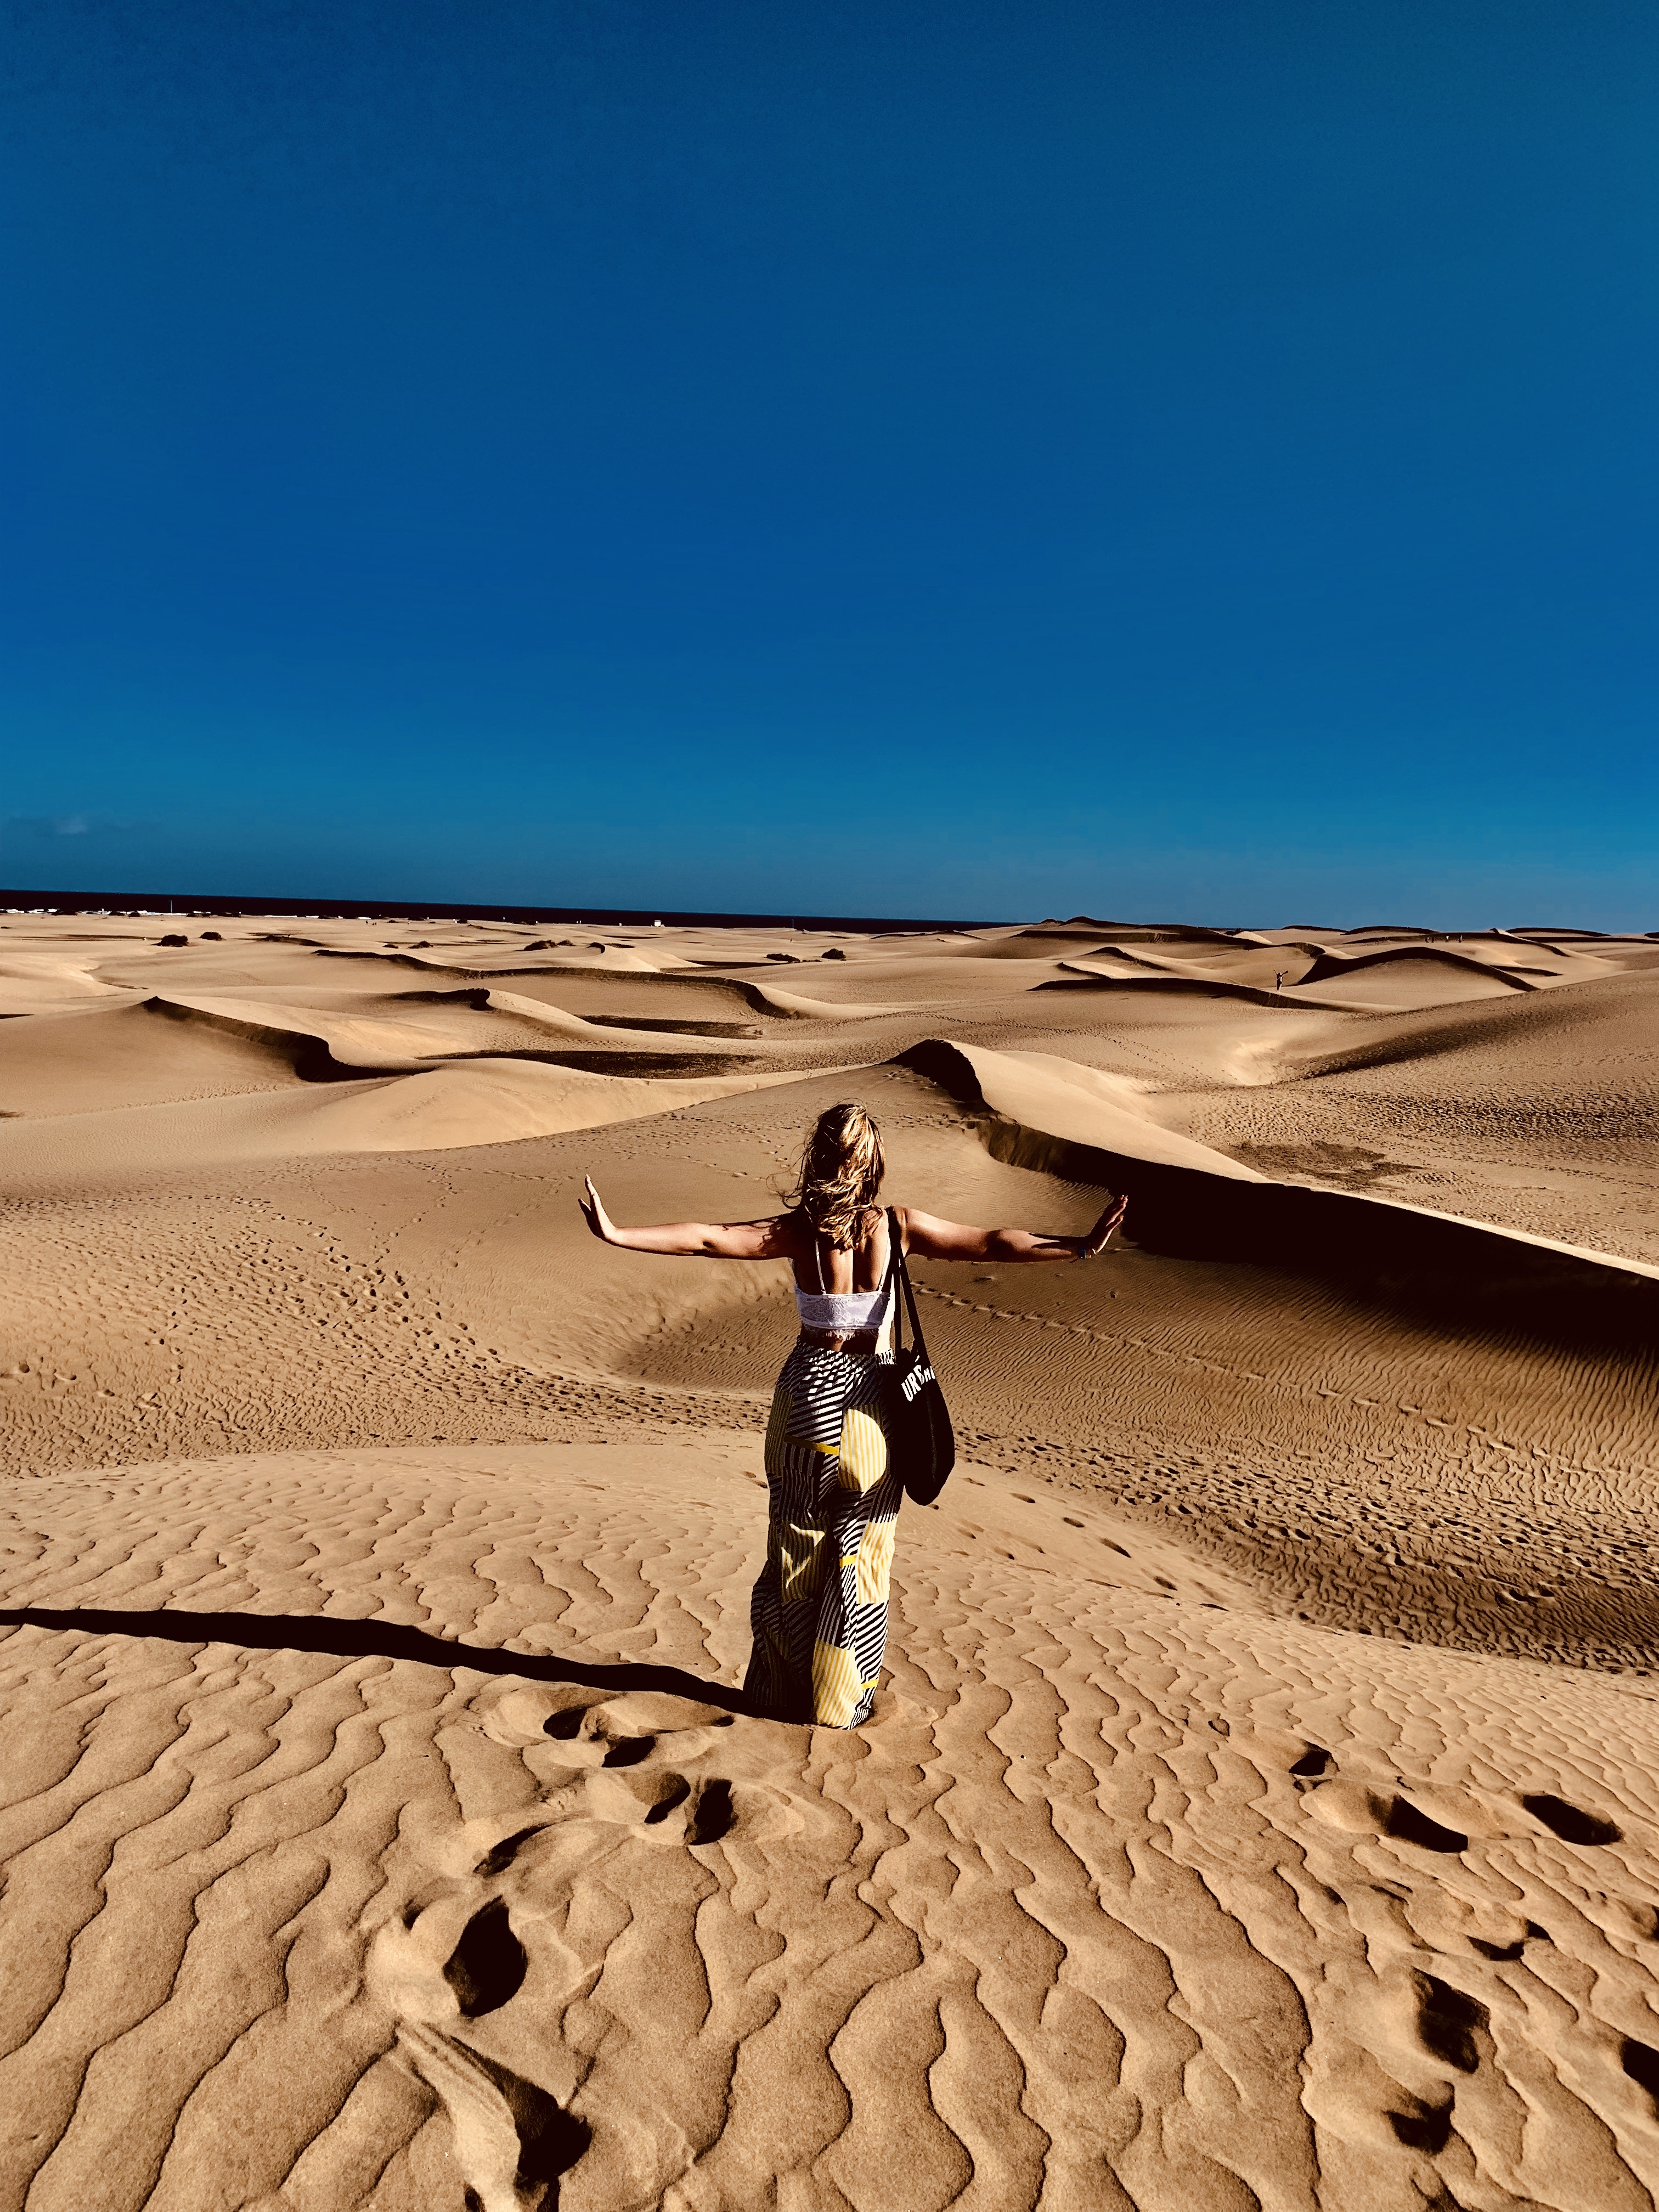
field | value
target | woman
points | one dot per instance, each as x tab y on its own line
819	1610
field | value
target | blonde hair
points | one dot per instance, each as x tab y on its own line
842	1166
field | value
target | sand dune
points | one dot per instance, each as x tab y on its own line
129	1055
462	1104
1039	1094
1411	964
1260	1806
547	1020
1080	974
483	959
504	1102
321	1044
1538	1111
39	984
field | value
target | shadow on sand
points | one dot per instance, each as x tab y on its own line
371	1639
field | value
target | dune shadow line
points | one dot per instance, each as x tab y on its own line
371	1639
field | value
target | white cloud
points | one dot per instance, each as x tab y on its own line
70	825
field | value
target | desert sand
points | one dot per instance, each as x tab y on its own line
1261	1805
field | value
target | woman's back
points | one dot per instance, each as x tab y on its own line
843	1293
861	1267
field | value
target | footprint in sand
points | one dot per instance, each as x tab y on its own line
1427	2028
1357	1809
512	2142
533	1949
1571	1822
1357	1806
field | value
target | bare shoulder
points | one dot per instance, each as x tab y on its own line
789	1235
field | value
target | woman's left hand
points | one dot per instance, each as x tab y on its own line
594	1215
1098	1237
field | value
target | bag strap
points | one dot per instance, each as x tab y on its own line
895	1254
896	1266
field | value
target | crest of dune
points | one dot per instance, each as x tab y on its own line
1055	1097
489	1102
351	1041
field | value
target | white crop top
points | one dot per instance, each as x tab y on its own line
843	1313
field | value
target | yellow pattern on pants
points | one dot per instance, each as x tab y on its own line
819	1609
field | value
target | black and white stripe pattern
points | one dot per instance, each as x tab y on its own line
819	1609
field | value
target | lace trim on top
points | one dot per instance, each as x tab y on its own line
842	1313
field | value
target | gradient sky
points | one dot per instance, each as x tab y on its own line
995	460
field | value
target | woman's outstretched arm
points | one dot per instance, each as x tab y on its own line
930	1238
769	1239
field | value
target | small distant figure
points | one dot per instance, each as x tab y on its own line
1278	979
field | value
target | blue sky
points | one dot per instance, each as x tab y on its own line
995	460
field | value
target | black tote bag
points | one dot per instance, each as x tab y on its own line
919	1433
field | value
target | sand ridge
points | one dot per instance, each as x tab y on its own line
1261	1806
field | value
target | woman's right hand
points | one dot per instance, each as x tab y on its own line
1100	1235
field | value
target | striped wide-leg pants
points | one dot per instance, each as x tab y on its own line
819	1610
